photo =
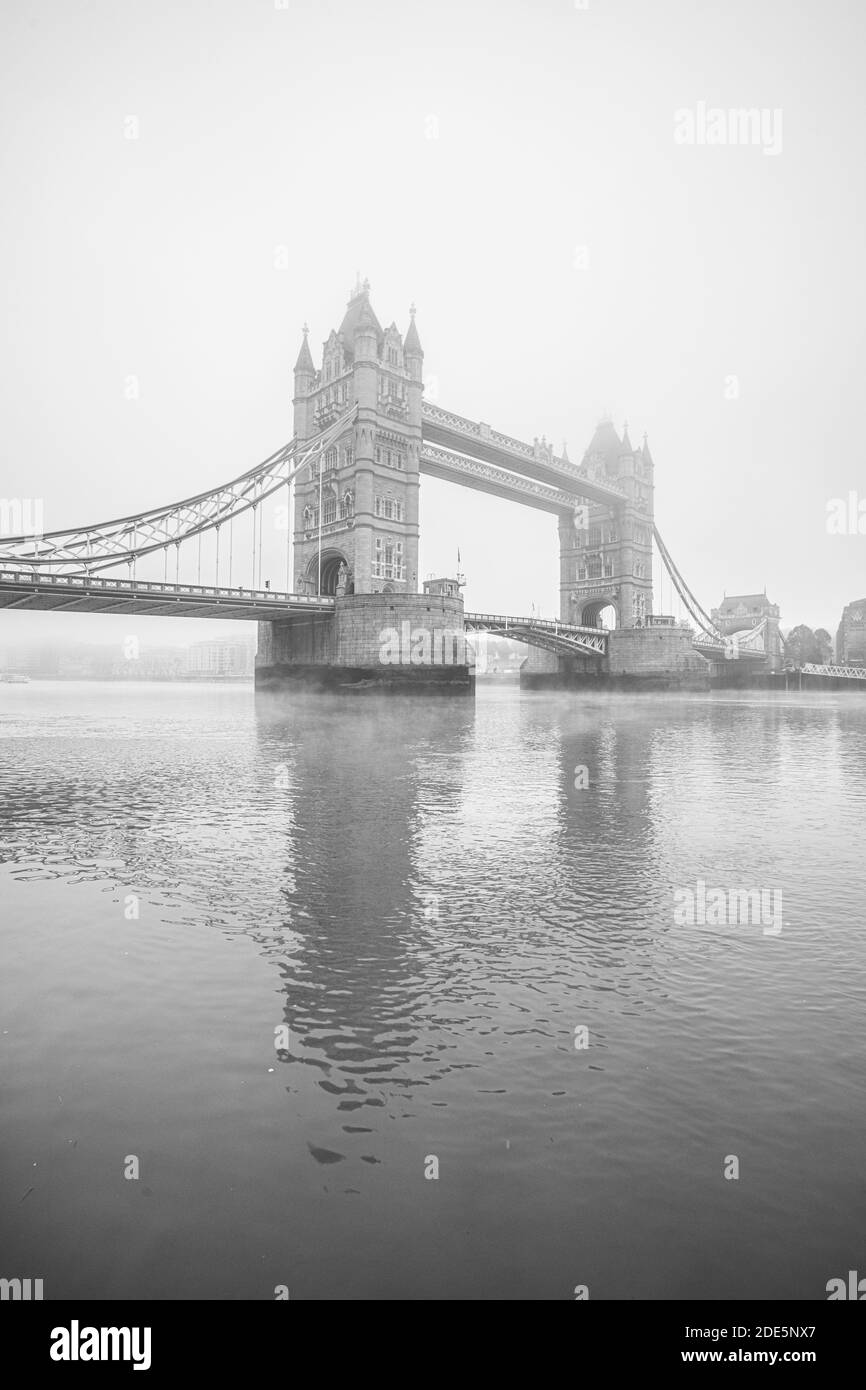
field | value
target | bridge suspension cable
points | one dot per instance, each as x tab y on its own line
698	614
89	549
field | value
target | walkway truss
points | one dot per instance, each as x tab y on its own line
563	638
88	550
847	673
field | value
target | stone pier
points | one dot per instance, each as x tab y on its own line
638	658
394	643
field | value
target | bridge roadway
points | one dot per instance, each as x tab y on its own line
567	639
22	590
76	593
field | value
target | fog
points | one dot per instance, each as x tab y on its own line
185	186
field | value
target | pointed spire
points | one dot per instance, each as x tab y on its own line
359	317
412	343
564	454
305	360
645	450
605	442
366	318
626	442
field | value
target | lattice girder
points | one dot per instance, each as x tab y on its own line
124	540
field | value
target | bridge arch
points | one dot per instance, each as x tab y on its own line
599	612
332	559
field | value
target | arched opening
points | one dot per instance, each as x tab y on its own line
332	562
600	613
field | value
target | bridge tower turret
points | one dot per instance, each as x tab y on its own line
305	380
608	563
413	357
370	477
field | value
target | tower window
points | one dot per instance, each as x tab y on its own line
388	507
388	562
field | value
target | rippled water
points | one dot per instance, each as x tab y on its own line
423	897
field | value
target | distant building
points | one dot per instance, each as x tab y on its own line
449	587
115	663
36	662
221	660
155	663
739	612
40	663
496	656
87	663
851	635
742	612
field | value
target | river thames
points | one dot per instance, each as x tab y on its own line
387	999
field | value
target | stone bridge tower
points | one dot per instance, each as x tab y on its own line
609	562
369	480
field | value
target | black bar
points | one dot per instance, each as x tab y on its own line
239	1337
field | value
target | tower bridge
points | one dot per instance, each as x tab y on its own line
342	498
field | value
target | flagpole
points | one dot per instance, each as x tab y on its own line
321	456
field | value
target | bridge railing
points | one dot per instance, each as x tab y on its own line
480	620
852	673
102	583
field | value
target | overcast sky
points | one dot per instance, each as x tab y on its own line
553	129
